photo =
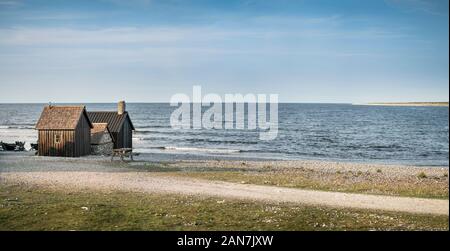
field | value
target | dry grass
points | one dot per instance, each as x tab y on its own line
418	185
37	208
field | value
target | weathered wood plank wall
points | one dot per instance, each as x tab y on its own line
49	147
72	143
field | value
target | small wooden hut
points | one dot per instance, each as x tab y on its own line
101	139
119	124
64	131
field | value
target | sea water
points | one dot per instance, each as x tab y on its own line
343	132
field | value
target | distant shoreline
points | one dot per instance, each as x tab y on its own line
443	104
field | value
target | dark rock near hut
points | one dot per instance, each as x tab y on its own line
101	139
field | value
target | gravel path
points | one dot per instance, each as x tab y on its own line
98	175
142	182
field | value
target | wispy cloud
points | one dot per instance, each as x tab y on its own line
329	20
158	35
58	16
174	47
10	3
252	45
70	37
130	3
433	7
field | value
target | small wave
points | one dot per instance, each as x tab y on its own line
194	140
16	127
154	138
153	126
262	151
150	132
376	147
387	147
146	132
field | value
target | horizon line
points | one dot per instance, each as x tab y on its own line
289	102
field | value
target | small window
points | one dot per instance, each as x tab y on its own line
57	138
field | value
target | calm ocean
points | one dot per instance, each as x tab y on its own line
400	135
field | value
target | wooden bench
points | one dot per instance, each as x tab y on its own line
122	153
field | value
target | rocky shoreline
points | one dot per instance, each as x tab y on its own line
444	104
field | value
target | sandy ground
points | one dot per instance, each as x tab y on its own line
442	104
103	175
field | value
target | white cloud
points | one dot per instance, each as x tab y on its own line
173	47
170	35
65	36
58	16
122	35
10	3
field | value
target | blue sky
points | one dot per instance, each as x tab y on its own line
147	50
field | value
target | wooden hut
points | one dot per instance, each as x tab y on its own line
119	124
64	131
101	139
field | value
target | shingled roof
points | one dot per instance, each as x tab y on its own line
114	120
99	128
61	117
97	132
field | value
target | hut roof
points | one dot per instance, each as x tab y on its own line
61	117
114	120
97	132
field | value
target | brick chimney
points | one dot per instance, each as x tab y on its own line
121	107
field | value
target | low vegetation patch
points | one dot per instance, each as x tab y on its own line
341	181
37	208
422	175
